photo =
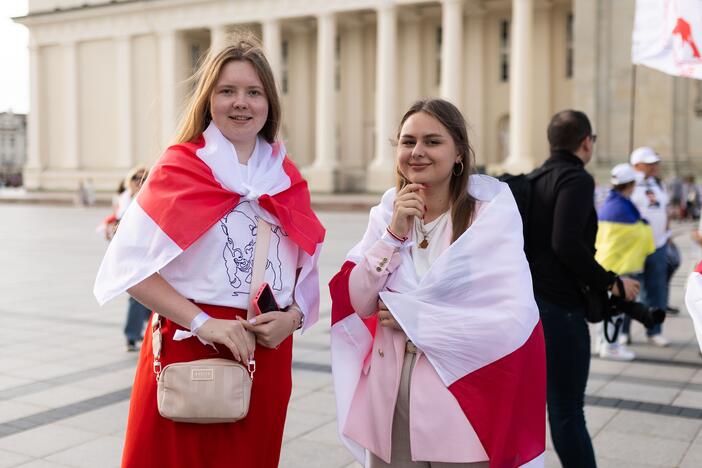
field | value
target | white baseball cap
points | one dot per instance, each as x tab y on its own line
644	155
622	174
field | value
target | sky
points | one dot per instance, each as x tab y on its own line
14	57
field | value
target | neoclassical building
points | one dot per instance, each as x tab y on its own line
109	78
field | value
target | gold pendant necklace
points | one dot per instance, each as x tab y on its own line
425	234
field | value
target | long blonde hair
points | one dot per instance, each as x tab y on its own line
462	203
241	46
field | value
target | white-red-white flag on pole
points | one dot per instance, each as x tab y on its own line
668	36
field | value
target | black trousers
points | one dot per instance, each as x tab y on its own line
567	366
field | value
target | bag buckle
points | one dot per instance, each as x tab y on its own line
252	368
157	367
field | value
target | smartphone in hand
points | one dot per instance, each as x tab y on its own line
264	301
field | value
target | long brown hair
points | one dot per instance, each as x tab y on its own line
242	46
462	203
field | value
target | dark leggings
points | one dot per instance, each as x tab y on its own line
567	365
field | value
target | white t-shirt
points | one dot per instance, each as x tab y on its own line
217	268
652	202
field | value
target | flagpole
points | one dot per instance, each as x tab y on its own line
632	111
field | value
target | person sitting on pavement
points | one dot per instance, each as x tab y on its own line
623	242
433	315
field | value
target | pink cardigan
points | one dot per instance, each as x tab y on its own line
439	431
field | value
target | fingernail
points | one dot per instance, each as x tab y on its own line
252	321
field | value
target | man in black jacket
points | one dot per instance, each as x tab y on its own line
561	252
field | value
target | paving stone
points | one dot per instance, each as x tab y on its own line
45	440
662	372
302	453
105	421
104	452
10	410
8	459
689	398
596	418
41	464
316	402
693	457
637	392
299	423
327	434
664	427
639	449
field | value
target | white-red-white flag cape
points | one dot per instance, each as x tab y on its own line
474	316
693	301
191	188
668	36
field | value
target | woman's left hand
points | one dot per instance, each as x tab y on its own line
272	328
386	318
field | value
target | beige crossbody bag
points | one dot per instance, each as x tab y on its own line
209	391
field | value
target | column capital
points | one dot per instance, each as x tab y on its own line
385	5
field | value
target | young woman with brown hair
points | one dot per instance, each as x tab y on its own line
437	349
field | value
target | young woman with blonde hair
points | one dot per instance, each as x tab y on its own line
185	249
437	349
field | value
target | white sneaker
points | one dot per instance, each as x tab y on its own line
659	340
623	339
616	352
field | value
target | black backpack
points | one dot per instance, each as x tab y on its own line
522	186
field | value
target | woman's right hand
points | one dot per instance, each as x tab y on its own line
408	204
231	334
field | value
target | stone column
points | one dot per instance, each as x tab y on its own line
585	67
125	151
35	162
520	158
411	61
322	172
168	76
451	47
381	170
71	159
218	34
272	43
354	161
474	82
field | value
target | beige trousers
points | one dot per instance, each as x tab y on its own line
400	456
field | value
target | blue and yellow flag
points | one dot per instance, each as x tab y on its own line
624	240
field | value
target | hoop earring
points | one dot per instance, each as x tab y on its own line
454	169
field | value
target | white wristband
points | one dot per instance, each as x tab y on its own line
198	321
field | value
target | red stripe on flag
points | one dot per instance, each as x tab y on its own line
293	208
182	196
341	300
505	403
698	268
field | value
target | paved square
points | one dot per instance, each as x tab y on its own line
65	377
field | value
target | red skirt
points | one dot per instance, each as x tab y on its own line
253	442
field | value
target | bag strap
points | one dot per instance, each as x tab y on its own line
263	240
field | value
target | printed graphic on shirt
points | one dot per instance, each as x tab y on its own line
652	200
239	227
